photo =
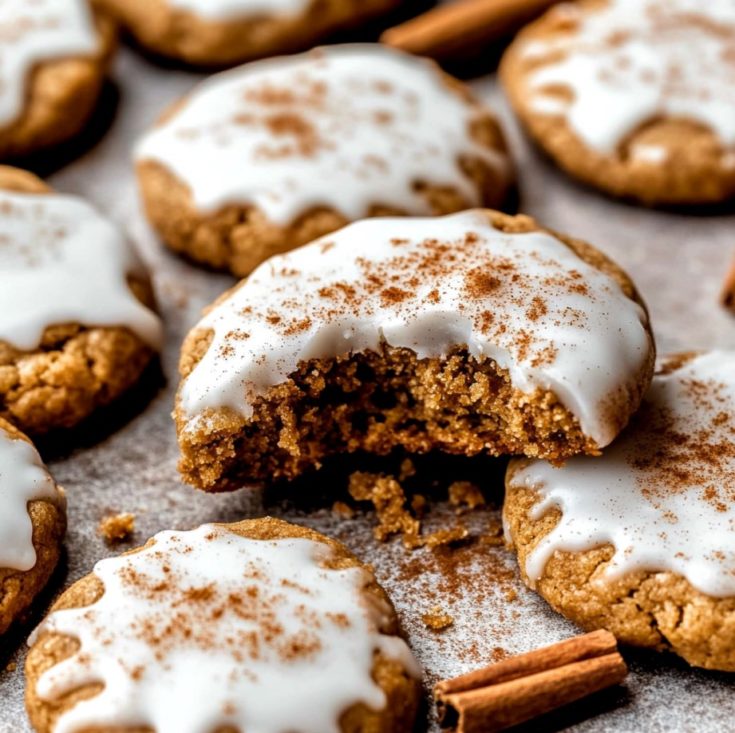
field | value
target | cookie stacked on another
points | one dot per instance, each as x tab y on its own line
636	97
640	540
472	333
77	327
32	524
270	156
54	56
255	626
227	32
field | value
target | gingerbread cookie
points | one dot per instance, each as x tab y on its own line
226	32
472	333
265	158
208	630
54	56
640	541
32	524
636	97
76	325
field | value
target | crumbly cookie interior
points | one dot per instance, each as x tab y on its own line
375	402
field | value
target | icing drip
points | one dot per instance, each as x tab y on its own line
23	478
207	629
663	494
346	127
638	60
61	247
34	32
238	9
525	300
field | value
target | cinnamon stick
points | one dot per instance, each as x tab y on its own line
524	687
453	28
728	290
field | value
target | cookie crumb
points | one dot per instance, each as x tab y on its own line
437	620
465	495
12	666
116	527
443	537
389	500
343	510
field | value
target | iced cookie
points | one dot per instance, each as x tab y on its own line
53	60
76	326
32	524
225	32
256	626
270	156
636	97
472	333
640	541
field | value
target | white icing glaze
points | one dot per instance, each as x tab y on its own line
34	32
207	629
663	494
62	262
23	478
649	153
346	127
525	300
238	9
633	61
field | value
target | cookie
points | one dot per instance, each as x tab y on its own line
270	156
640	541
76	325
472	333
255	626
635	97
32	524
54	56
214	33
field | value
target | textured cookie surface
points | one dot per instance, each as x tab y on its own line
209	629
470	333
272	155
74	329
32	524
53	59
226	32
640	540
636	97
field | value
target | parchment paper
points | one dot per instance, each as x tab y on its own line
127	460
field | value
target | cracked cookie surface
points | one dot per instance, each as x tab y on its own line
32	524
639	540
92	333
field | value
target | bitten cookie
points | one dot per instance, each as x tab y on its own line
270	156
255	626
226	32
76	325
54	56
640	541
32	524
636	97
472	333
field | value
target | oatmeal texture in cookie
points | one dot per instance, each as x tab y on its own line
211	630
32	524
76	327
640	541
270	156
216	33
471	333
53	59
636	97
